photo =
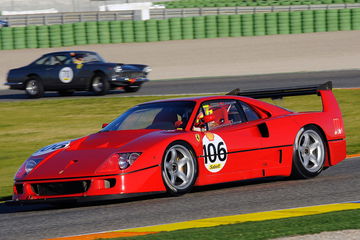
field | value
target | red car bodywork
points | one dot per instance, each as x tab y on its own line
258	148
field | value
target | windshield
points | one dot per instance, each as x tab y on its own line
162	115
86	57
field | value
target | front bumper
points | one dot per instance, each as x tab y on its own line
88	188
15	85
85	199
126	81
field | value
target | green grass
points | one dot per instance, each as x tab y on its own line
25	126
269	229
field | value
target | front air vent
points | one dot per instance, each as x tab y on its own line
60	188
19	188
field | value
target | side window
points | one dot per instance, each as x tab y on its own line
250	113
43	61
59	60
219	113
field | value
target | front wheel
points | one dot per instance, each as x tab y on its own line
179	168
309	153
34	88
99	84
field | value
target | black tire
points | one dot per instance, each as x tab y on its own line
310	152
68	92
132	88
179	168
99	84
34	88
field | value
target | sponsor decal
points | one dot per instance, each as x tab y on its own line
66	75
215	152
51	148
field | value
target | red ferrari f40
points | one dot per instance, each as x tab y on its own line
173	145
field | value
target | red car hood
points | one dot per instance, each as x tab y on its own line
84	156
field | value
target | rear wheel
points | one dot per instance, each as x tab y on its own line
34	88
309	153
132	88
179	168
99	84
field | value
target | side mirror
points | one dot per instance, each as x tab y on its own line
104	125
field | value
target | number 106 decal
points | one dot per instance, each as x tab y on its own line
215	152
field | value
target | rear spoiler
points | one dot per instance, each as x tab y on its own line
276	93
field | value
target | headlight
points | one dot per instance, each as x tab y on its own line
117	69
127	159
30	164
51	148
147	69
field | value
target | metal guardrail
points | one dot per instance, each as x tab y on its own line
192	12
62	18
71	17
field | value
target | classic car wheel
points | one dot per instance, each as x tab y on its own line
34	88
66	92
99	84
132	88
179	168
309	153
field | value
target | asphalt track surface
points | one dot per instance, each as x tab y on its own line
340	183
340	79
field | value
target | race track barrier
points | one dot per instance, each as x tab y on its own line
211	26
244	3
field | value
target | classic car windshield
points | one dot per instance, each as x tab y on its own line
89	57
64	58
161	115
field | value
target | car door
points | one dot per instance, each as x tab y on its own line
62	72
278	145
232	144
278	137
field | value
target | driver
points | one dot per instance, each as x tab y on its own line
78	59
218	115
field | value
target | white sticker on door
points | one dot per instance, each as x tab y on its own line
215	152
66	75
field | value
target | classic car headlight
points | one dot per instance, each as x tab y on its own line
51	148
118	69
31	163
127	159
147	69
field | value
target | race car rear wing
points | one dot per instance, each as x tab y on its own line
276	93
